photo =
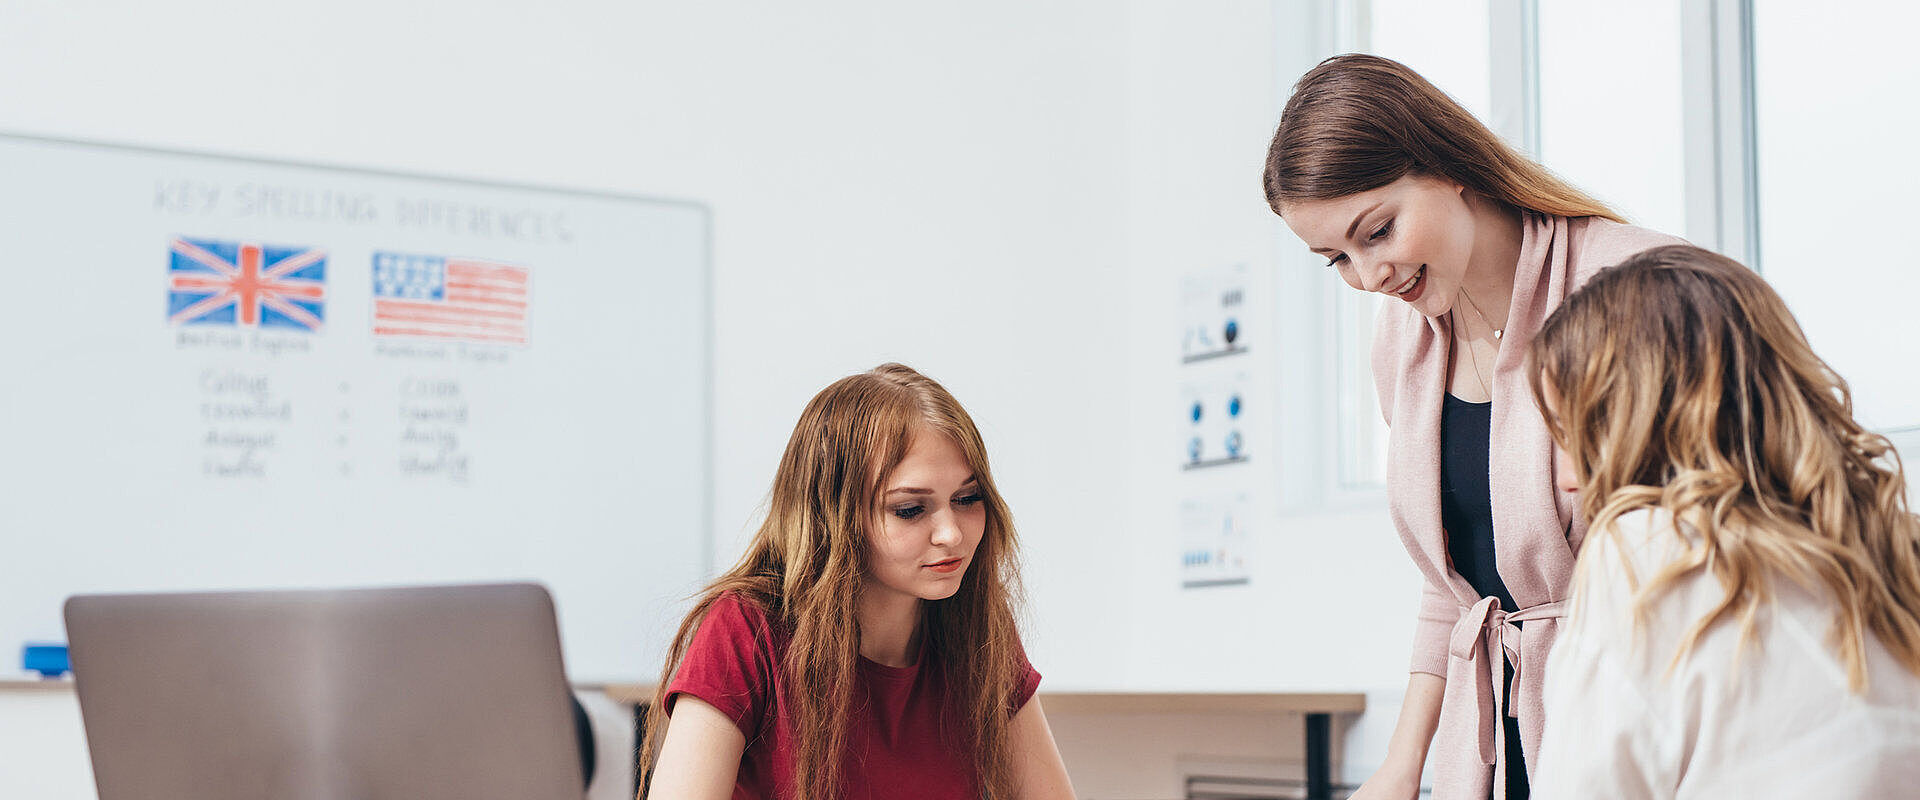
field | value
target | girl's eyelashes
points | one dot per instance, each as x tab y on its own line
916	510
1384	231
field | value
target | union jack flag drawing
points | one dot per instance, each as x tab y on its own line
246	285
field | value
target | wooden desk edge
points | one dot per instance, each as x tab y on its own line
1134	702
1058	702
36	685
1204	702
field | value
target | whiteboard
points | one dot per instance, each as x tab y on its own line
225	373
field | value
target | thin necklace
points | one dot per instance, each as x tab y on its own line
1471	358
1483	314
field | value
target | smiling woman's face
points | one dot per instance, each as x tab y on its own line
1410	239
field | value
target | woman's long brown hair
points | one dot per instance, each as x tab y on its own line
1358	122
1683	383
806	566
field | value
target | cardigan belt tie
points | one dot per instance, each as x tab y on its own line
1488	634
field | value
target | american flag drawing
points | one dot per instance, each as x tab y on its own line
245	284
449	298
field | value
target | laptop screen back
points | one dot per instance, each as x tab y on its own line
415	693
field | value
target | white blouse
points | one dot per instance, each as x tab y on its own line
1777	721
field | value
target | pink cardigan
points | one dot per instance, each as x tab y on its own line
1462	636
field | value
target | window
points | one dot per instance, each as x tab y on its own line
1835	110
1610	105
1445	42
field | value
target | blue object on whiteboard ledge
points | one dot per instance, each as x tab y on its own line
50	660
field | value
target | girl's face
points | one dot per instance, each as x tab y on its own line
1410	239
933	516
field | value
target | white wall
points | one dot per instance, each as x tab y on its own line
1206	87
1002	193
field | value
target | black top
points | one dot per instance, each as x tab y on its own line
1466	500
1466	509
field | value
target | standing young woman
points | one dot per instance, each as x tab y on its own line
1745	617
1407	194
865	645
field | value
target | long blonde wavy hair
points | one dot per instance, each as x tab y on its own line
807	564
1358	122
1683	383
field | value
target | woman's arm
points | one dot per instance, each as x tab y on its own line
700	755
1038	770
1399	776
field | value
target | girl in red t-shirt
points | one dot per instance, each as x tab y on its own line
865	645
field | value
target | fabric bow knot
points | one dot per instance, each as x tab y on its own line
1487	634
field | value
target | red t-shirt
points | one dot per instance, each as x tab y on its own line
897	746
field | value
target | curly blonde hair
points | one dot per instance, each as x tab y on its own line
1680	381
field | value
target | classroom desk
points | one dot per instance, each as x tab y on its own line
1317	709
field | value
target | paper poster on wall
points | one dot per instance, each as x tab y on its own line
1214	415
1214	540
1213	314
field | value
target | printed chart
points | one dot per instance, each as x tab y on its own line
1218	402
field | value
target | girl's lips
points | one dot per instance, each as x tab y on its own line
946	566
1418	288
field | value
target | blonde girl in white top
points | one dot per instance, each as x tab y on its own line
1746	609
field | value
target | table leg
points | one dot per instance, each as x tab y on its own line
1319	759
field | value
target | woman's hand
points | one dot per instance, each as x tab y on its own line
1391	782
